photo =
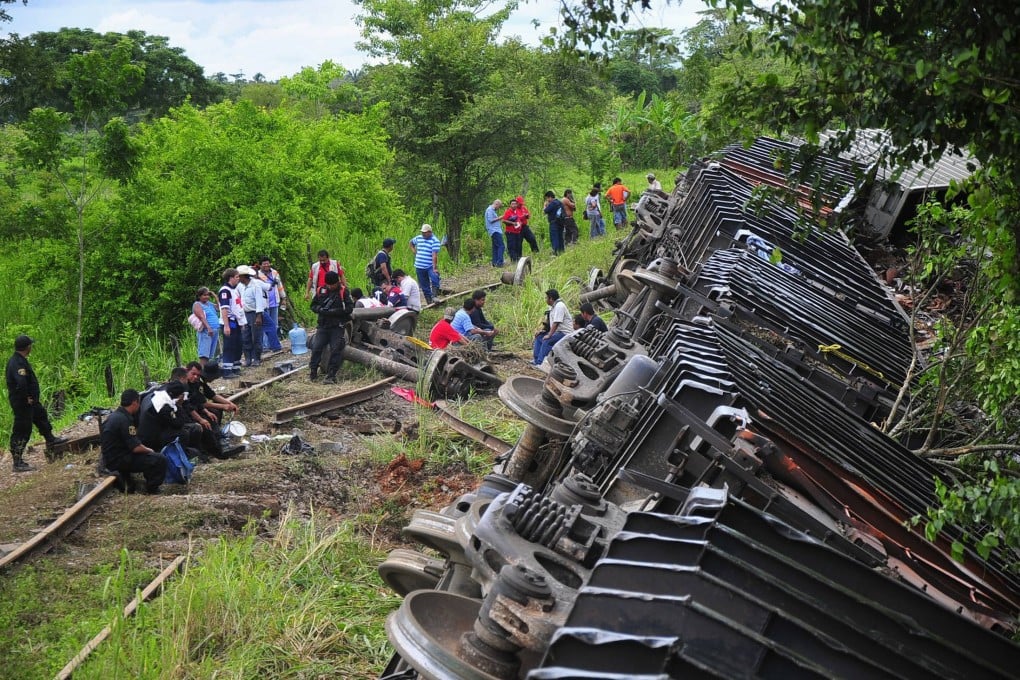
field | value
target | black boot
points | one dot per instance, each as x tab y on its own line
330	379
314	374
19	465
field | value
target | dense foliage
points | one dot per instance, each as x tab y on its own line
38	72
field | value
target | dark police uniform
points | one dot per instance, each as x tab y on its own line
334	308
118	440
23	394
158	428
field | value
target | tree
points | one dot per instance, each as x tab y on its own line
4	16
464	111
71	147
217	187
638	62
319	91
38	68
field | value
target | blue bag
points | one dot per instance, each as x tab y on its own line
178	467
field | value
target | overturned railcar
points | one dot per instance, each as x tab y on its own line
702	491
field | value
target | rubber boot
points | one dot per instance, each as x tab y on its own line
313	375
330	379
19	465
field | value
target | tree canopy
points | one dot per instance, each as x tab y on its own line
37	72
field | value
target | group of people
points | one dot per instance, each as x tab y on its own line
185	409
465	325
509	229
243	319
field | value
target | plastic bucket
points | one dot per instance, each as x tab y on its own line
234	428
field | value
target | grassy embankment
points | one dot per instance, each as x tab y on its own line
297	598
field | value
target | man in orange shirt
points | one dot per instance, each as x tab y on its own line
617	195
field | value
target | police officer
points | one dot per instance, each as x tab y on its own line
23	394
124	452
334	305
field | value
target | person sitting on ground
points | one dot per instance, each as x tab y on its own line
462	323
560	323
214	403
579	321
199	403
478	317
591	318
162	419
122	450
443	334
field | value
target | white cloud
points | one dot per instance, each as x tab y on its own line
274	38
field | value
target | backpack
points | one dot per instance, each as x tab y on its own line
372	269
178	467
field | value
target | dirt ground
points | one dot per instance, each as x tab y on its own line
360	467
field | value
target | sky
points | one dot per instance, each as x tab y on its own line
273	37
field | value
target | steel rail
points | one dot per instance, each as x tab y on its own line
60	527
487	440
312	408
129	610
237	395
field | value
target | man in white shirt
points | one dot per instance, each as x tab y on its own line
560	323
255	300
410	288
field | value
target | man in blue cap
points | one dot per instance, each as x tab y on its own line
23	394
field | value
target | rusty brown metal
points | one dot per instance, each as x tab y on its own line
487	440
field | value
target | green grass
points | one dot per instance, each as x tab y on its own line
307	603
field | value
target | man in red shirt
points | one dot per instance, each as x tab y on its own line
617	195
443	334
318	271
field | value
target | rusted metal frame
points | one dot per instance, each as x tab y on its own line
75	445
129	610
60	527
487	440
313	408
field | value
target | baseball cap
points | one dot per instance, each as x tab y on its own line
22	342
387	242
426	227
650	175
449	313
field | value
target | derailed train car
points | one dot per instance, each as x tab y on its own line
701	491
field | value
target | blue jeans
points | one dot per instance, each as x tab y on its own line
425	282
252	338
556	237
542	346
208	344
497	248
270	324
597	227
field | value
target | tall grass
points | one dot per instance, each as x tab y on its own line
305	604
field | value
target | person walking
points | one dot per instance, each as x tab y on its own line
208	332
494	228
23	396
426	248
333	305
